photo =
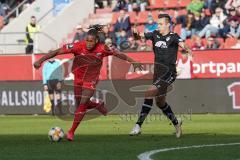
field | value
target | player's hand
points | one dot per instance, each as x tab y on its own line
45	87
137	65
59	85
190	55
37	65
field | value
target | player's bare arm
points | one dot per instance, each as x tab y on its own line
49	55
186	48
130	60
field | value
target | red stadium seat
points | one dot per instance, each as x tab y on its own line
157	4
140	28
189	42
221	41
170	12
172	4
132	16
142	17
177	29
182	12
229	42
155	15
115	17
184	3
152	2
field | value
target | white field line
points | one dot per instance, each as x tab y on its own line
148	154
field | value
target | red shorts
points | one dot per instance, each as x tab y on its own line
85	85
79	86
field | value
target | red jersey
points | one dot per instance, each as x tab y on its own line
87	64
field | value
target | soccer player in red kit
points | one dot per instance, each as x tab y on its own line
88	56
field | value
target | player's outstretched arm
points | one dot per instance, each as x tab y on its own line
186	48
49	55
130	60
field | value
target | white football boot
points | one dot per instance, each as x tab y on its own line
136	130
178	129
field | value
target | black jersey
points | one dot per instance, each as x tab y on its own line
165	48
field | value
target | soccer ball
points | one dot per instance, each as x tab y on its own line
55	134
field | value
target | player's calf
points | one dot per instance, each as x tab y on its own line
146	108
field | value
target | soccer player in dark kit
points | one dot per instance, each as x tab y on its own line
88	56
165	47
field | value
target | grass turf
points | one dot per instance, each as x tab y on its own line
106	138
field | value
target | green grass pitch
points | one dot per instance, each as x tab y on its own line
106	138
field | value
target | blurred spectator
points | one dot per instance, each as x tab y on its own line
121	5
31	29
138	5
80	34
107	34
187	22
4	8
197	43
108	42
143	4
216	23
232	29
123	23
237	45
201	20
232	4
195	6
99	4
184	66
217	3
212	43
133	45
129	6
208	4
121	39
143	46
232	12
151	25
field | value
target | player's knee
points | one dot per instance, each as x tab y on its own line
151	92
160	103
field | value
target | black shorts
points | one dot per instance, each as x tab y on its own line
52	86
164	80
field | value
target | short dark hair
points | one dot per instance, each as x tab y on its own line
33	17
166	16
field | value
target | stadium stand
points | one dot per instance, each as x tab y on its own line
138	18
175	8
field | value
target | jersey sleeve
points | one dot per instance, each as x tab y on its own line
148	35
71	47
177	38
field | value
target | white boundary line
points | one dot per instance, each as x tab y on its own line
148	154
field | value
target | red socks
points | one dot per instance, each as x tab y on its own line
79	114
90	104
